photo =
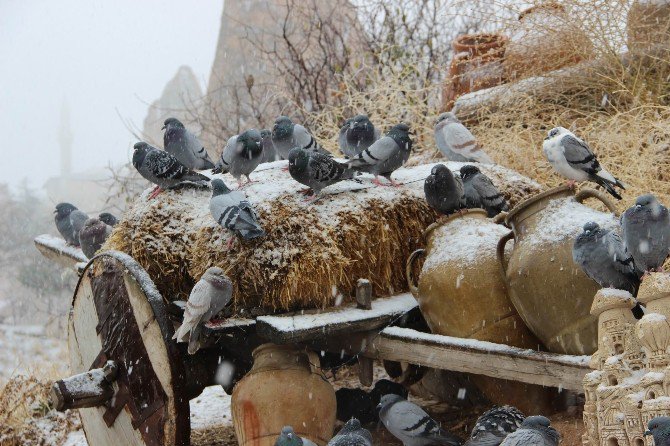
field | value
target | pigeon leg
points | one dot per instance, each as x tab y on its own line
571	184
313	198
284	169
307	191
154	193
393	183
229	245
376	182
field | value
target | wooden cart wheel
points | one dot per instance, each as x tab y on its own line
118	314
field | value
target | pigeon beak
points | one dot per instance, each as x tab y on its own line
647	433
163	128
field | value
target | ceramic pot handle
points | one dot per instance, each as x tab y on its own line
413	287
500	253
592	193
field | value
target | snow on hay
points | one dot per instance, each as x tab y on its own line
355	230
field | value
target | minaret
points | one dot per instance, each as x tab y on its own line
65	141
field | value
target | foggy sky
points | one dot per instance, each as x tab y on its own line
99	56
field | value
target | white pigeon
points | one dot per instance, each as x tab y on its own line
572	158
212	292
456	142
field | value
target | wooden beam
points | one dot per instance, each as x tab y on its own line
57	250
308	325
364	294
88	389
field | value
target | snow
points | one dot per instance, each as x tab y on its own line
210	408
613	292
391	306
564	219
26	348
59	245
654	317
410	334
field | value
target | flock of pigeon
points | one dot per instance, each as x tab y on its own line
609	259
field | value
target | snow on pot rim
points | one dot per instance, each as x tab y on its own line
313	254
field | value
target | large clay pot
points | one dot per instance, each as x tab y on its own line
283	388
461	294
648	24
545	38
551	293
477	64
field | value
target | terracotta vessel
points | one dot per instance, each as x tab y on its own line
545	38
283	388
550	292
461	294
648	24
477	64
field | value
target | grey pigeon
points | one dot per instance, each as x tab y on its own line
269	152
646	233
494	425
480	192
286	135
352	434
209	295
242	154
411	424
93	235
231	210
444	191
386	154
108	219
659	428
315	170
534	431
69	221
185	146
163	169
573	159
356	135
601	254
456	142
288	437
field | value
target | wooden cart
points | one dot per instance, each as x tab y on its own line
132	383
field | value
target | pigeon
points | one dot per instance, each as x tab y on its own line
456	142
69	221
480	192
646	233
659	428
108	219
93	235
288	437
359	404
600	253
212	292
316	170
286	135
242	154
494	425
269	152
385	155
163	169
356	135
572	158
411	424
534	431
231	210
352	434
185	146
444	191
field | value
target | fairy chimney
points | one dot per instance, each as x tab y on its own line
612	308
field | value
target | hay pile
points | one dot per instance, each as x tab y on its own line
313	254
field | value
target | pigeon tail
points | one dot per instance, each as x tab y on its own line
252	234
194	340
208	164
608	185
195	177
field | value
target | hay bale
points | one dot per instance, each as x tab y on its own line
313	254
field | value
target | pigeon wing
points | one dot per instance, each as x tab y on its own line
377	153
461	141
324	169
579	155
165	166
525	437
197	306
195	146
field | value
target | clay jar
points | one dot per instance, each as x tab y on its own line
477	64
648	24
461	294
283	388
551	293
545	38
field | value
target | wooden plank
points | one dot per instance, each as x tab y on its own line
58	251
472	356
308	325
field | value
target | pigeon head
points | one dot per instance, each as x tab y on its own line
108	219
439	170
288	438
659	427
446	118
172	123
536	421
297	159
94	226
556	132
265	134
64	209
650	203
219	187
140	152
359	122
218	278
468	171
283	128
388	400
400	134
591	227
251	141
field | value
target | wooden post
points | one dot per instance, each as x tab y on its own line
88	389
365	369
364	294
